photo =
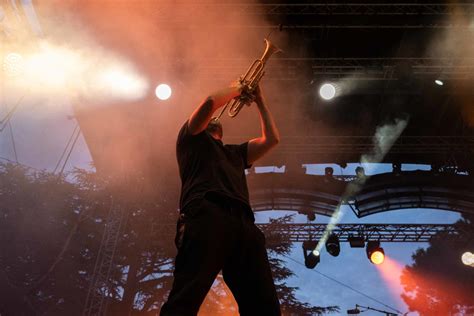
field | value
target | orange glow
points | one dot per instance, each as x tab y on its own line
377	257
391	271
420	288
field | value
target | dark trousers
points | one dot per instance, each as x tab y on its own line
213	235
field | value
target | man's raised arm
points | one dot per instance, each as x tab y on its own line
258	147
203	113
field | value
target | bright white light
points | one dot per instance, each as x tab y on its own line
468	259
439	82
316	253
327	91
120	82
13	64
163	91
51	69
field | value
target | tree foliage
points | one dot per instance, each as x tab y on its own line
51	231
438	283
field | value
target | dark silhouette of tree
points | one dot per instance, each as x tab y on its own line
51	230
438	283
45	252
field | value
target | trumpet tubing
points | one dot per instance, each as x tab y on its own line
251	80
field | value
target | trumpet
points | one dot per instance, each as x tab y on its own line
250	81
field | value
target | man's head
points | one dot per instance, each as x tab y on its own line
215	128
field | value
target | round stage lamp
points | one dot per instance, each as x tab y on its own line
327	91
468	258
332	245
377	257
375	253
163	91
439	82
311	254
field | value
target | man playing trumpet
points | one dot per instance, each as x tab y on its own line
216	229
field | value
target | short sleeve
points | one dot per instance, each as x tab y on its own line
183	133
242	149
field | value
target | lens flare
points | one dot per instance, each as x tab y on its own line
163	91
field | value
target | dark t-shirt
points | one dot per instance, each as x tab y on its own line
207	165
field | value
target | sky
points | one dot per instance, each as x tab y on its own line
352	267
41	127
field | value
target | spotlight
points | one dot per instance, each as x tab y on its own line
328	171
468	258
375	253
311	255
163	91
356	241
332	245
397	168
327	91
354	311
439	82
360	172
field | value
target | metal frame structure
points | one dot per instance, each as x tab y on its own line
364	144
417	9
420	15
96	301
386	69
380	232
314	194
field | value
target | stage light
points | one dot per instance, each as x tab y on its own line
354	311
439	82
327	91
13	64
356	241
375	253
163	91
332	245
468	258
311	254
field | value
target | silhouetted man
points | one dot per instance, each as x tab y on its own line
216	229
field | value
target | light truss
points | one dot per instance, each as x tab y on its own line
349	68
382	232
331	15
417	9
431	145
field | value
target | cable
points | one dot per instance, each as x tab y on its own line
347	286
9	115
65	148
13	141
70	151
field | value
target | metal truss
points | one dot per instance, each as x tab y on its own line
96	301
417	9
322	194
381	232
364	144
347	68
325	14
